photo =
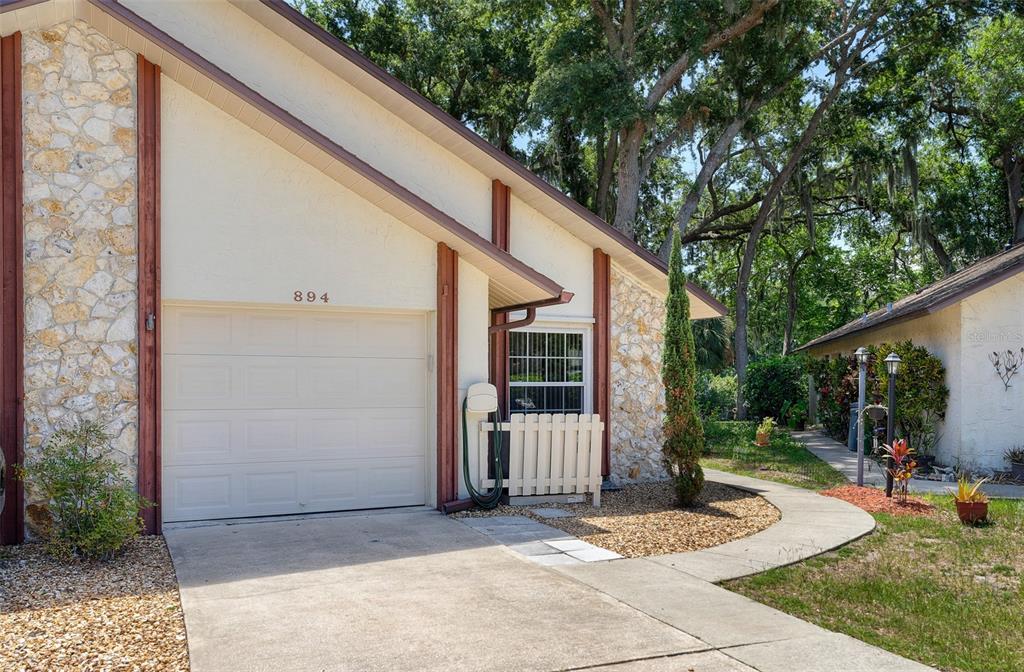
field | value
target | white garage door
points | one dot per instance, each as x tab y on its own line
271	412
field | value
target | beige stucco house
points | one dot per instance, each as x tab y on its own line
962	319
274	270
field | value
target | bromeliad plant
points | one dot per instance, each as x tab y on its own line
971	502
903	465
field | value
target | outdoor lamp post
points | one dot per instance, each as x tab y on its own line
862	361
892	367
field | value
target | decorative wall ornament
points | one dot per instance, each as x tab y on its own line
1007	364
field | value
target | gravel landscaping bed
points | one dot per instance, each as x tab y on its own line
118	615
643	520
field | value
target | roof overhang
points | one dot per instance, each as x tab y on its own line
850	329
511	280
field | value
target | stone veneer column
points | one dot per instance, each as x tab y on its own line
638	397
80	235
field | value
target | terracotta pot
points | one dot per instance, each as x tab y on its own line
972	512
764	438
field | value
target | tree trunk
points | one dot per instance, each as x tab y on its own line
627	200
1012	171
791	301
937	248
604	178
714	160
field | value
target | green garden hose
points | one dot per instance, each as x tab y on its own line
490	499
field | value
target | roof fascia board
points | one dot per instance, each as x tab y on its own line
466	238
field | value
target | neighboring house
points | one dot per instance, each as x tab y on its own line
274	269
962	319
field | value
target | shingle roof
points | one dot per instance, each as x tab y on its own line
933	298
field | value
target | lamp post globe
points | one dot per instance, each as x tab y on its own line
892	363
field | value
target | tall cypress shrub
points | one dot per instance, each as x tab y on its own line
684	433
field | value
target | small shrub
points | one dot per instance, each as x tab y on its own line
767	425
93	509
774	383
716	395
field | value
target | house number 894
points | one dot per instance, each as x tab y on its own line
309	297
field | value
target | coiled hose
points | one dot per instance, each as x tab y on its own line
490	499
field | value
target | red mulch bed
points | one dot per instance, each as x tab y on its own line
874	500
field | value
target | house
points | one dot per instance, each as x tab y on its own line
274	269
962	319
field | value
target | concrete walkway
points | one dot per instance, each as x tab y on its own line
811	524
845	461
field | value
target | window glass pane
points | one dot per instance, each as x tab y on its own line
526	399
556	345
574	345
517	369
536	344
553	399
535	371
517	343
574	400
556	370
574	370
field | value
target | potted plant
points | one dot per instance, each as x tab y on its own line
1015	456
971	502
764	431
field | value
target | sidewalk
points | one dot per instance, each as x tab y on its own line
845	461
733	632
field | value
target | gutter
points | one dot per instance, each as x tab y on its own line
531	312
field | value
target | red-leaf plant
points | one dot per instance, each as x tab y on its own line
903	465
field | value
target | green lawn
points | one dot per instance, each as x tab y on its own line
929	589
730	447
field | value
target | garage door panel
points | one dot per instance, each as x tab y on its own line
218	381
271	412
294	333
197	493
219	437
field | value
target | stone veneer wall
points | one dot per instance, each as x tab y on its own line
80	235
638	397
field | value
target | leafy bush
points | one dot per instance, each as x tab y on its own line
93	508
836	383
716	395
921	392
774	383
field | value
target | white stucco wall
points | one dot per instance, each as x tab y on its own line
250	222
558	254
992	417
940	334
288	77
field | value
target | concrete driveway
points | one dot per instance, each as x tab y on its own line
402	591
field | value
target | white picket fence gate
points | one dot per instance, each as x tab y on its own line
548	454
